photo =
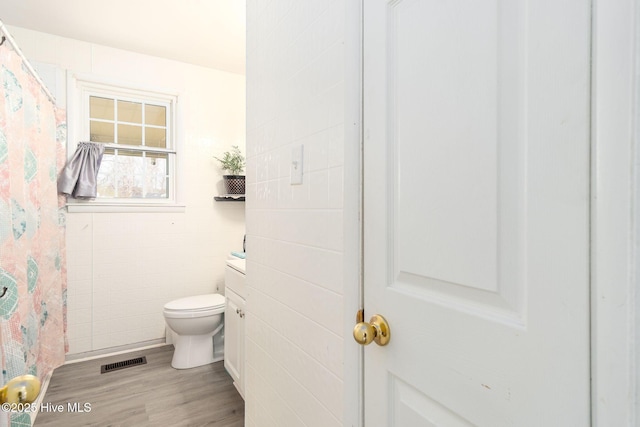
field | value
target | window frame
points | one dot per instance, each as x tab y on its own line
80	88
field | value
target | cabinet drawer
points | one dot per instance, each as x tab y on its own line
235	281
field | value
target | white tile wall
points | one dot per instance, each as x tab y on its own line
123	267
295	301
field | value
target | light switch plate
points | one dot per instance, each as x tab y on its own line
296	164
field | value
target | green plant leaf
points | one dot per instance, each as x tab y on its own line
232	161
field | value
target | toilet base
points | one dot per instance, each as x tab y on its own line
192	351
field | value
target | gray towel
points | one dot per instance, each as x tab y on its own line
79	176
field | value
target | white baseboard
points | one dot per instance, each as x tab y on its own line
111	351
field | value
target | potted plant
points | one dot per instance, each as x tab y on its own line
233	161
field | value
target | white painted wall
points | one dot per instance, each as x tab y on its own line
123	267
295	334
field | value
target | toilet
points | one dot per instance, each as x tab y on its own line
197	328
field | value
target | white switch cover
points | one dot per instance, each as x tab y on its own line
296	165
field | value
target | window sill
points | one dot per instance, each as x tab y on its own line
118	208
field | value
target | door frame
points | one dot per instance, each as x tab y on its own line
615	213
352	213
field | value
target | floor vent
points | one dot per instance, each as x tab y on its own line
124	364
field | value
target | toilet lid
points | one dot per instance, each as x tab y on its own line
196	303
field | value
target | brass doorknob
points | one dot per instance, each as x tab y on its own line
22	389
376	330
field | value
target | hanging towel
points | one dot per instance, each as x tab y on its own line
79	176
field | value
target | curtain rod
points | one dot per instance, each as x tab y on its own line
7	37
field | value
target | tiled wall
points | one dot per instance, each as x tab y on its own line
295	320
123	267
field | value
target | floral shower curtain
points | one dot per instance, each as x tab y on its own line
32	247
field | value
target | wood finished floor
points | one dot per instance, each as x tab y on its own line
154	394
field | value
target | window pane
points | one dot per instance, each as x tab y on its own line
106	177
133	174
155	137
156	174
129	174
155	115
101	131
129	134
100	108
129	112
127	118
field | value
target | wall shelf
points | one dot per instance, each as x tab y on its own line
229	198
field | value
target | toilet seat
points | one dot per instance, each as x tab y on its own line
195	306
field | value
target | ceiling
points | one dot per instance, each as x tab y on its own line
210	33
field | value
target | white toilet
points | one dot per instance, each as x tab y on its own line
197	329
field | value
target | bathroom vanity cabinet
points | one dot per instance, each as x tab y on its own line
234	316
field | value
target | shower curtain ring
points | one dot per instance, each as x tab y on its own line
4	291
1	43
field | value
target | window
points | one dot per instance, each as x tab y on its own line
138	130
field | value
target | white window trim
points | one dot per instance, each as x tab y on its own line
77	130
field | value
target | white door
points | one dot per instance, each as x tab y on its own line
476	212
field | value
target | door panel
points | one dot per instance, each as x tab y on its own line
464	157
452	129
476	163
410	407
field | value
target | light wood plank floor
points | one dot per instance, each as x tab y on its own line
154	394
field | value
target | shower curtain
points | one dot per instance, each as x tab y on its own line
32	247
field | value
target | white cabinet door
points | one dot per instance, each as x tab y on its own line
476	212
234	339
241	334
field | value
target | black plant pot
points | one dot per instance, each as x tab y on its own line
233	184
